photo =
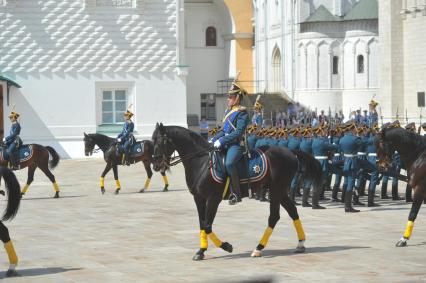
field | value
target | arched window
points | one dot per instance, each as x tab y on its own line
276	70
335	65
360	64
211	36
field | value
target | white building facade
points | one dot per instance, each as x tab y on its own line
81	63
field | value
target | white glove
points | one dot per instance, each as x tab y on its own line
211	140
217	144
4	139
119	140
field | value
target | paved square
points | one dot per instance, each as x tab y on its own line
151	237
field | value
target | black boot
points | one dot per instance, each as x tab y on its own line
235	182
334	194
14	161
395	195
292	196
344	193
348	203
356	198
305	197
408	194
263	195
371	200
384	190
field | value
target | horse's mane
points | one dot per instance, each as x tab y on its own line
404	138
197	140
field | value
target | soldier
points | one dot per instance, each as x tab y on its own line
12	141
373	117
362	156
306	146
294	144
372	159
257	118
411	127
335	135
126	135
231	137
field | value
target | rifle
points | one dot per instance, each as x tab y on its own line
420	126
381	116
406	117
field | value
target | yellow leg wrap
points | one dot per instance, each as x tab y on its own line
204	244
225	190
147	182
299	229
166	181
266	235
117	184
13	258
25	189
215	239
102	182
56	187
408	229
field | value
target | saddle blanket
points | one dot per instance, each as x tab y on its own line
25	152
254	171
136	149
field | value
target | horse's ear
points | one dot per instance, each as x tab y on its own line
161	128
156	125
85	135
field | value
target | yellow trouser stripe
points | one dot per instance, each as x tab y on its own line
166	181
226	188
117	184
204	244
409	229
299	229
215	239
122	159
25	189
266	235
102	182
147	182
13	258
56	187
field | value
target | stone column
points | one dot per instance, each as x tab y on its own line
367	66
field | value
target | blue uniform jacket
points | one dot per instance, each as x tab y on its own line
234	127
306	145
15	130
350	145
282	142
257	119
251	141
321	147
293	143
128	128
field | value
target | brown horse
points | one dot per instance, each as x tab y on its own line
113	158
412	149
38	157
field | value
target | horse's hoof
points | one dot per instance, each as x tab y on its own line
11	273
401	243
198	257
256	253
227	247
103	191
56	195
142	190
3	193
317	206
117	191
300	247
166	189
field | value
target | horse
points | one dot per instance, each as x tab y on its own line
36	156
194	152
113	158
14	198
412	149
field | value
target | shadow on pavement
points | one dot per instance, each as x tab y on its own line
44	198
40	271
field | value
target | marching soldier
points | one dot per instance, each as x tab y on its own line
126	135
12	141
294	144
306	146
336	162
257	118
372	159
231	137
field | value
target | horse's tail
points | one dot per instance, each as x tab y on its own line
55	157
13	193
310	167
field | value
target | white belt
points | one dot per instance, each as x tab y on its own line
349	155
372	154
361	153
321	157
337	154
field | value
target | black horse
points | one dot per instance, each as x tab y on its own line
194	153
412	149
113	158
14	199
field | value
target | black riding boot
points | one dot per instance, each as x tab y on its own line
356	197
334	194
235	182
395	195
371	202
384	190
348	203
127	157
408	194
305	197
344	192
315	198
14	161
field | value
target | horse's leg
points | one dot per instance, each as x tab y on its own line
204	244
274	216
45	168
102	179
8	245
148	170
415	207
211	210
166	181
292	212
30	178
117	181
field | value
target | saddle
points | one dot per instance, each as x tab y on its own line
24	152
136	150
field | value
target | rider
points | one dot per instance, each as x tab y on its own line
231	137
257	118
13	141
124	138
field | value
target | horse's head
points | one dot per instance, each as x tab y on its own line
163	148
89	145
384	151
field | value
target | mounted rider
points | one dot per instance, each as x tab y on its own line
13	141
124	139
231	137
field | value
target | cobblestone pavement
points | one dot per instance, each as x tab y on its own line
151	237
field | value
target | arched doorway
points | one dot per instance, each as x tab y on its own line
276	70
